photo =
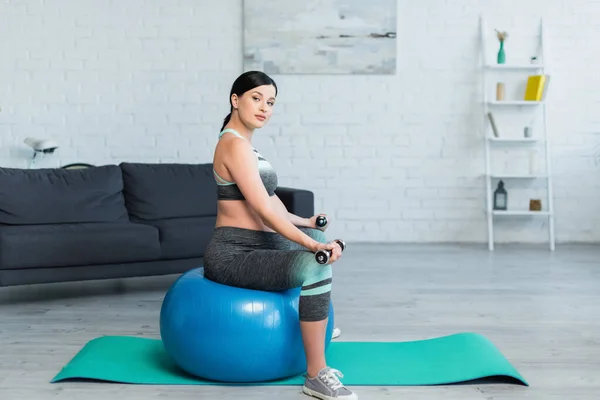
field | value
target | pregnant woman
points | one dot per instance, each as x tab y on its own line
257	244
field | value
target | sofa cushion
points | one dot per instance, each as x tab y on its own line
35	246
54	195
158	191
184	237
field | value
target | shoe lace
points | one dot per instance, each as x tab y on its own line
330	378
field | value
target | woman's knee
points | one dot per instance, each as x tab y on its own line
319	236
318	275
315	294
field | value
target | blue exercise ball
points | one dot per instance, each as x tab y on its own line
228	334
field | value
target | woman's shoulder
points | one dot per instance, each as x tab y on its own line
233	147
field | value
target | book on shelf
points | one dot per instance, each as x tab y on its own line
493	124
537	87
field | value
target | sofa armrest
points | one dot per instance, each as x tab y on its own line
1	259
300	202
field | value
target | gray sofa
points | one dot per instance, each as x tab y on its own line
111	221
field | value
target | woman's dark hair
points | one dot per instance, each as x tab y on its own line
247	81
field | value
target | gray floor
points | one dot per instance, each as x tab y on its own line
541	309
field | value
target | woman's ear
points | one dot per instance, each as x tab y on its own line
234	100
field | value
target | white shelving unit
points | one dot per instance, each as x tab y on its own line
490	104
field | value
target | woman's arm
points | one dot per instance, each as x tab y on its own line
299	221
241	164
294	219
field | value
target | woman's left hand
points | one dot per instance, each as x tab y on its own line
313	222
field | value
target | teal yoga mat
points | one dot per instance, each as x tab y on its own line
449	359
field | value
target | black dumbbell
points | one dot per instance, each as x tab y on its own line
322	256
321	221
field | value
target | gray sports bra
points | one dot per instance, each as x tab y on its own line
229	190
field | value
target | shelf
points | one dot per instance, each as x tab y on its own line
514	140
509	67
517	176
524	213
514	103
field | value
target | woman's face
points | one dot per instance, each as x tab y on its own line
255	106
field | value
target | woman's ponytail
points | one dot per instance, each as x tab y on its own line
226	121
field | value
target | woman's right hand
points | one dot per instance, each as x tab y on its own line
333	247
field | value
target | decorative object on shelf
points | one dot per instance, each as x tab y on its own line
500	197
493	124
535	205
501	54
527	132
535	60
533	169
500	91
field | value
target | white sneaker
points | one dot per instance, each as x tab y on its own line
336	333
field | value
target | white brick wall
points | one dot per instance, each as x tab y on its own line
390	158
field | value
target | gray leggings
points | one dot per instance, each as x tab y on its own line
268	261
